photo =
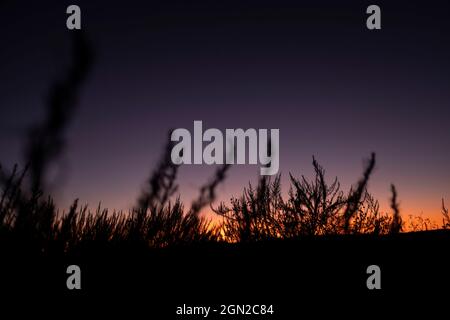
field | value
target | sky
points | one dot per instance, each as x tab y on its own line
311	69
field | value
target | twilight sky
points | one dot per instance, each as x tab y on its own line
309	68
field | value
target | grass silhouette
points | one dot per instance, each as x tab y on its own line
313	208
248	251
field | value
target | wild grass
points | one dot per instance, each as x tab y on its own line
313	208
159	219
30	220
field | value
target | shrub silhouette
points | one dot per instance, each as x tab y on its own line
255	215
313	208
396	224
29	219
46	140
446	217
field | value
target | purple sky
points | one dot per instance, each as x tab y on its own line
334	89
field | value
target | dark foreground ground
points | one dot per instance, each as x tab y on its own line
302	279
